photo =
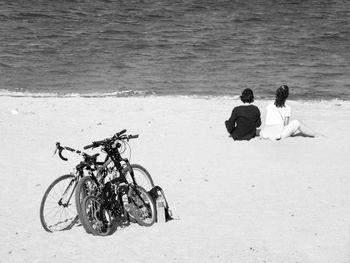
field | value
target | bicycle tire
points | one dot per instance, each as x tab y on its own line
94	220
142	206
53	196
142	177
82	190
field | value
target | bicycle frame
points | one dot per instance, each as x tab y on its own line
78	173
113	192
115	157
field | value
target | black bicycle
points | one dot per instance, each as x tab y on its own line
59	210
118	204
104	200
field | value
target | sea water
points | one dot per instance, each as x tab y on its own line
175	47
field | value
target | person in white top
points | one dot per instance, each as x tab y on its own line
277	123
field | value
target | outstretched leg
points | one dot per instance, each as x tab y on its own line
295	127
308	131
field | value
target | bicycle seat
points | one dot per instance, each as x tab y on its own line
91	158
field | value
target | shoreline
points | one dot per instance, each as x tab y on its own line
147	94
200	97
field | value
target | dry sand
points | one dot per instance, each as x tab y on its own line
257	201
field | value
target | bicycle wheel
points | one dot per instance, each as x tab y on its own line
142	207
85	187
57	208
95	218
142	177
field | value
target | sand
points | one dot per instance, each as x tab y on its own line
257	201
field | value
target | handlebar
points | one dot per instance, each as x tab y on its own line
118	136
120	133
133	136
60	149
94	145
87	158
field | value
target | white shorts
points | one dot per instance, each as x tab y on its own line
291	129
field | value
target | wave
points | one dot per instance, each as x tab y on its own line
27	15
124	93
5	65
133	93
115	94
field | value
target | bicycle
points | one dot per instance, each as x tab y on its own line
118	202
58	200
56	208
125	174
113	147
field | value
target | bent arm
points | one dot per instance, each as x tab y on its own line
285	121
258	123
231	122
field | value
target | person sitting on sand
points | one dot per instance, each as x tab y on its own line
244	118
277	123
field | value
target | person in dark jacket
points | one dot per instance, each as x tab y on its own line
245	119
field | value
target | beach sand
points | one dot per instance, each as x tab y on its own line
256	201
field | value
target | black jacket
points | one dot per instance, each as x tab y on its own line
243	122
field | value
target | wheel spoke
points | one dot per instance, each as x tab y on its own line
96	219
143	206
57	216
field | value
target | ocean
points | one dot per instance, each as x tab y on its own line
175	48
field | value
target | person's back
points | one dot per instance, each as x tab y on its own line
244	118
275	116
274	122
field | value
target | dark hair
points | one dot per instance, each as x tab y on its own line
247	96
281	96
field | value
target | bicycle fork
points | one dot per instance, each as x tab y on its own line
67	203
